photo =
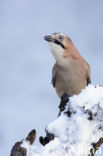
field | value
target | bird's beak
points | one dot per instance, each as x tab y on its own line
48	38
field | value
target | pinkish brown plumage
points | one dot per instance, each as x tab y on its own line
71	73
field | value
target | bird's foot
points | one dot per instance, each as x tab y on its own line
64	100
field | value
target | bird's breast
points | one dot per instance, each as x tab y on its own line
70	81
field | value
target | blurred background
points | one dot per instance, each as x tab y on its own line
27	98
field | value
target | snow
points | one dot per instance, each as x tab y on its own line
74	135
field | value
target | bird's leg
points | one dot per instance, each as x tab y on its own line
64	100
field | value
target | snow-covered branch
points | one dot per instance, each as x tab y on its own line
78	131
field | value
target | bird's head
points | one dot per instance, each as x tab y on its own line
59	44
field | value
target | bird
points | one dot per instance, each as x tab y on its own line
71	73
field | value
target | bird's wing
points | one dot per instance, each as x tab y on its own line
88	74
53	75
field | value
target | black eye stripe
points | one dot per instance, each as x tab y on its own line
59	43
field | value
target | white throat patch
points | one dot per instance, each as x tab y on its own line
57	51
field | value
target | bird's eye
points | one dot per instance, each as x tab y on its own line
61	38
